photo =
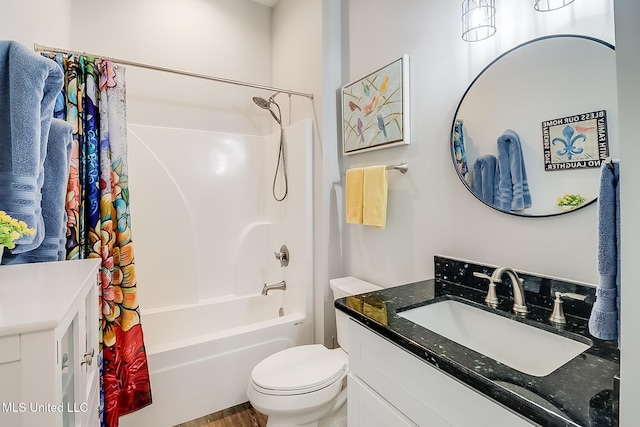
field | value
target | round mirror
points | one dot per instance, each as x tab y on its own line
533	128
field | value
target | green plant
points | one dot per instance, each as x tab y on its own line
12	229
573	200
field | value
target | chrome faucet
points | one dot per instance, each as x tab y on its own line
280	286
519	304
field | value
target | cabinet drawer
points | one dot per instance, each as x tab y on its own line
367	409
427	396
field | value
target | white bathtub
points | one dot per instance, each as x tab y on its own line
201	356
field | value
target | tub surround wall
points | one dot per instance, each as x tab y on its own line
206	224
579	393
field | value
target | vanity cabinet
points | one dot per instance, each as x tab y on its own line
392	384
49	344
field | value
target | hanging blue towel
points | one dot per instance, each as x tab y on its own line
513	187
459	151
604	322
485	178
29	85
54	192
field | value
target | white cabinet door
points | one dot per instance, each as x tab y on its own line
367	409
424	394
69	366
88	400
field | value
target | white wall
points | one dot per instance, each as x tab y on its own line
36	21
298	65
628	60
224	38
430	211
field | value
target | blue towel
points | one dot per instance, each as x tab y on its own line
29	85
604	322
484	178
54	191
513	187
459	151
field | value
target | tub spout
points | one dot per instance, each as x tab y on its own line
281	286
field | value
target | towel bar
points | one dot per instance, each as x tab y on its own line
402	167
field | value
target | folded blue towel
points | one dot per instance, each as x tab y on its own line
604	322
513	187
485	178
29	85
54	192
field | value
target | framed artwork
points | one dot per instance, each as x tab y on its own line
375	109
575	142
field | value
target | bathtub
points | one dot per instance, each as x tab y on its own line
201	356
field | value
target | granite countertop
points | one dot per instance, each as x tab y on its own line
579	393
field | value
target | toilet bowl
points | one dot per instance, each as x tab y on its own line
306	385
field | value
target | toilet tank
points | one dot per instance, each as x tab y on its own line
343	287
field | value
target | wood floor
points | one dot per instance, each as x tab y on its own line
243	415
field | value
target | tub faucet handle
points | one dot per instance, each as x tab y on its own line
283	256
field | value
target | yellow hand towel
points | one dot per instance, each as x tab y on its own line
374	211
353	193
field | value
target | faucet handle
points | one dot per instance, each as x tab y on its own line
282	256
571	295
482	275
557	316
492	298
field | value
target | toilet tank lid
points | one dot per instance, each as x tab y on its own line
344	286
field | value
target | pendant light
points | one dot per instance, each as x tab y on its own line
478	19
549	5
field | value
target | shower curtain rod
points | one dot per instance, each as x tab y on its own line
40	48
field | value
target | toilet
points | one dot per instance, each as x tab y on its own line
306	385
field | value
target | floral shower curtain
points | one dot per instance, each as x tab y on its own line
98	225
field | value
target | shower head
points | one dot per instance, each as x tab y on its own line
266	104
261	102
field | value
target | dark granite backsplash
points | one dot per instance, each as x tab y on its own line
539	291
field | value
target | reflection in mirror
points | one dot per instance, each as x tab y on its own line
533	128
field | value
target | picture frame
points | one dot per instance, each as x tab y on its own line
375	109
575	142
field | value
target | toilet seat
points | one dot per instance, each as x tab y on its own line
299	370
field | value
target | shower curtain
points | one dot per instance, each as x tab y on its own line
98	225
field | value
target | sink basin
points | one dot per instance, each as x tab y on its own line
523	347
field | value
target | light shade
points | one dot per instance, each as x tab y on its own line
547	5
478	19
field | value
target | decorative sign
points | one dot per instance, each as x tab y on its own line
375	109
575	142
